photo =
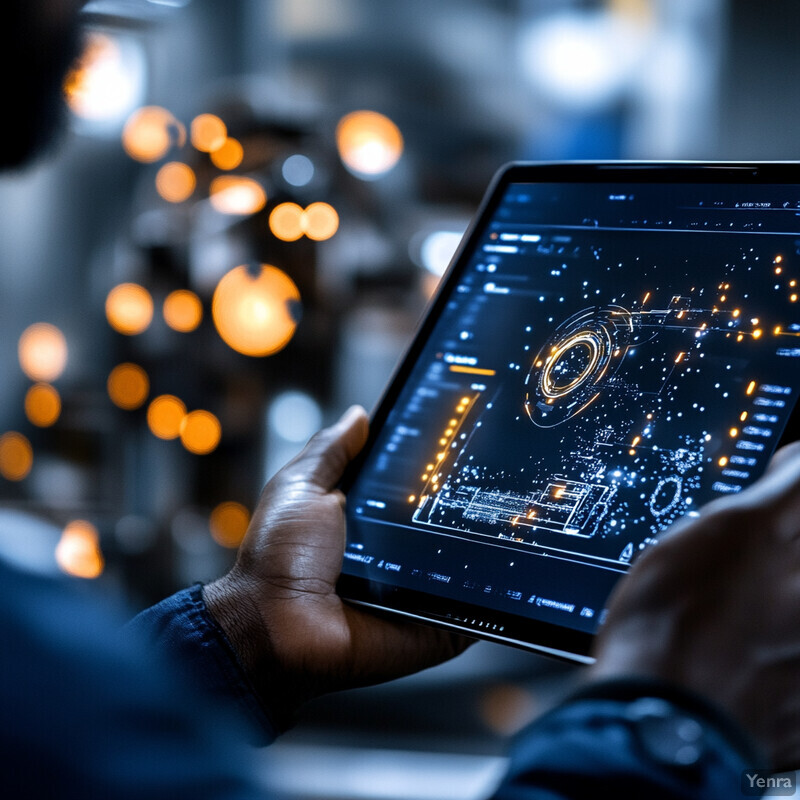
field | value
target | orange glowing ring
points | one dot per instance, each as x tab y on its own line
587	340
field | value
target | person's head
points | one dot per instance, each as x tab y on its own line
39	40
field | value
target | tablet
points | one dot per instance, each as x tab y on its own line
613	346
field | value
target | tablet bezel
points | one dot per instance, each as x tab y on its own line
473	620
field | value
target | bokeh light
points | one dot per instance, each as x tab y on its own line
253	309
42	352
208	133
128	386
320	221
286	222
150	132
233	194
298	170
165	415
16	456
42	405
183	310
295	416
129	308
229	156
176	182
369	143
200	432
78	550
106	81
228	523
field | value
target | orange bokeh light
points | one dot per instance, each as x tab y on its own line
369	143
183	310
42	352
320	221
286	222
129	308
165	415
78	550
175	182
208	133
253	310
150	132
42	405
229	156
128	386
233	194
200	432
16	456
228	523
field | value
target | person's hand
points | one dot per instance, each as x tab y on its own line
715	607
278	605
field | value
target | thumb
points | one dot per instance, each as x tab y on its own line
324	459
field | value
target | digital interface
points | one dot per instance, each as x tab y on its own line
609	359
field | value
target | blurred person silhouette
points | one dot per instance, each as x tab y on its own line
697	663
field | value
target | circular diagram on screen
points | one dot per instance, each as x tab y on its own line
573	365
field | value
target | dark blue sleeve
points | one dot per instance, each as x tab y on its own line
630	739
185	632
85	714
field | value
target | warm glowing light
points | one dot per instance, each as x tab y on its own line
778	259
369	143
793	298
16	456
150	132
255	310
175	182
757	333
751	387
321	221
743	416
232	194
229	523
103	85
183	310
208	133
128	386
129	308
229	155
200	432
777	330
78	550
734	432
723	461
736	312
42	405
778	270
165	415
42	352
412	498
286	222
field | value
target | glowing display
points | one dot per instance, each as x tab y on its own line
607	360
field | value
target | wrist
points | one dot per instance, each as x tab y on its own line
235	611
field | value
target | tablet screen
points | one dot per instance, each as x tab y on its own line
604	359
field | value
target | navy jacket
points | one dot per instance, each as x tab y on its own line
161	709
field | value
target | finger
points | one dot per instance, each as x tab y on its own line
782	456
324	459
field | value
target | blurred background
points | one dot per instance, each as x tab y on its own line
252	207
